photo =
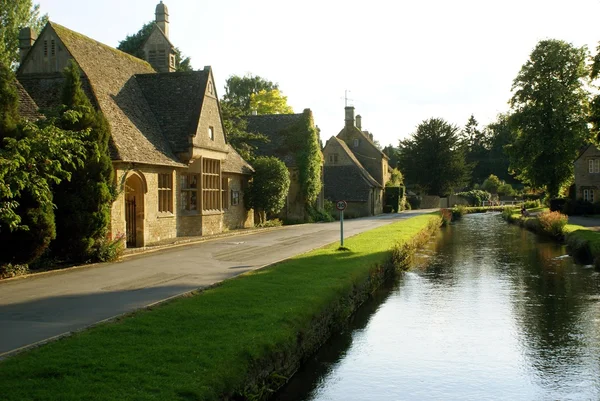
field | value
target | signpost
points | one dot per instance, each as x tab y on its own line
341	206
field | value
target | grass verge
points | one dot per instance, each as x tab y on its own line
582	243
239	340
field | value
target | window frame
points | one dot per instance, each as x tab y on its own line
211	185
235	198
165	192
211	133
189	192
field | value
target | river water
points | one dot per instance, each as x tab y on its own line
488	312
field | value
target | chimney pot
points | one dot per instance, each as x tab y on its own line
359	122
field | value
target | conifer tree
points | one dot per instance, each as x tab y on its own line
83	204
32	157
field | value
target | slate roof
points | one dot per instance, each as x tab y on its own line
27	107
175	101
351	183
234	163
274	127
365	135
135	131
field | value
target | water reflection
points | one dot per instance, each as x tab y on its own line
489	311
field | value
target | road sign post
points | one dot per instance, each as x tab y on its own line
341	206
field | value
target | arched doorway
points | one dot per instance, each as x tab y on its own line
134	210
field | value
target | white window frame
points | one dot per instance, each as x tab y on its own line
588	195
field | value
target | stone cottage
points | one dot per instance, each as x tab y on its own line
587	174
174	170
281	131
358	156
346	179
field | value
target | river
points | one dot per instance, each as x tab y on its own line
489	311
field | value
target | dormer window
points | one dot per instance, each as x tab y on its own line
211	133
356	142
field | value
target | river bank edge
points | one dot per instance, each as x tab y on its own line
582	243
41	373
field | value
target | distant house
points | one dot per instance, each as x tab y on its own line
176	174
346	179
358	156
587	174
283	132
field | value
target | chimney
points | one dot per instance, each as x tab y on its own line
162	18
27	37
349	116
359	122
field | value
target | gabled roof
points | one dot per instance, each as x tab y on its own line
234	163
364	135
27	107
582	150
135	131
363	171
155	27
274	127
176	100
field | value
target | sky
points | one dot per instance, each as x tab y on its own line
401	62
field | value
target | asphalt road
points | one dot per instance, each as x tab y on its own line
42	307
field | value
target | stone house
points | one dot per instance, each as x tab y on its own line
365	157
281	131
175	172
347	179
587	174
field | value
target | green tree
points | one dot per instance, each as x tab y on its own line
433	158
235	125
239	90
476	145
33	156
270	102
14	15
83	204
269	187
394	155
132	44
550	107
491	184
500	135
594	117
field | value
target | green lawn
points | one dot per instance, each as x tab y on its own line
202	346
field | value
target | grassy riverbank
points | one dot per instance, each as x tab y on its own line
582	243
208	345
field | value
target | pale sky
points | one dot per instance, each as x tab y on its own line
402	61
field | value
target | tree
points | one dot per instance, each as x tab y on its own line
269	187
594	117
132	44
433	158
500	135
83	204
476	144
33	156
396	179
491	184
239	90
550	115
239	138
394	155
14	15
270	102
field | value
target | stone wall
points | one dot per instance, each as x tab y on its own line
157	225
236	216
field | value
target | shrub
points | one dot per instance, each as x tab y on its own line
446	215
506	190
407	205
414	202
507	213
476	197
553	223
271	223
106	250
557	204
315	215
531	204
458	211
10	270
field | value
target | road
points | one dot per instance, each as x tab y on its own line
42	307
